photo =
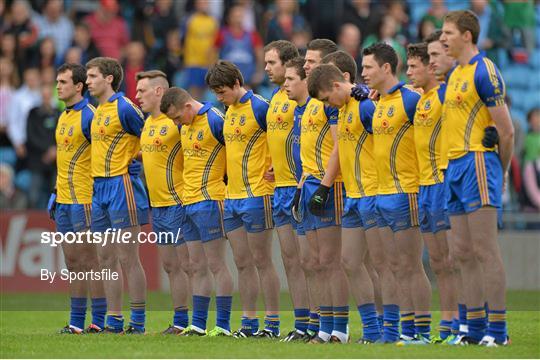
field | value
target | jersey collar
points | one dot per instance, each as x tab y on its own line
396	87
205	108
476	58
246	97
115	96
79	106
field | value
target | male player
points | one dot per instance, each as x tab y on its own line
397	172
248	203
163	161
475	175
119	200
71	202
280	126
204	192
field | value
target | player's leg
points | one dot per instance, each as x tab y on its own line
459	321
202	285
377	288
309	258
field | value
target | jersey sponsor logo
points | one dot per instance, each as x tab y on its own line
196	151
423	119
65	146
237	136
310	126
384	128
156	146
346	135
279	124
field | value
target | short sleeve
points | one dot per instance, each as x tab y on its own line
216	121
87	114
366	111
410	99
131	117
489	83
260	105
331	114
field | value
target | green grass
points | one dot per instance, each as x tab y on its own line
33	334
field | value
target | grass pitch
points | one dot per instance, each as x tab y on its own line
33	334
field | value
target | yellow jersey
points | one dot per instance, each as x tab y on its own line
162	160
427	135
355	142
248	157
280	124
199	32
204	156
316	142
116	129
74	182
393	140
471	89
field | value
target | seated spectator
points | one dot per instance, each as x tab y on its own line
285	21
531	163
54	24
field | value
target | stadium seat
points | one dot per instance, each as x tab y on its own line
517	76
534	60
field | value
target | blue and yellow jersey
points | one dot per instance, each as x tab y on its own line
74	177
393	131
116	129
427	135
471	89
248	157
355	141
204	157
297	130
316	142
200	31
280	126
162	160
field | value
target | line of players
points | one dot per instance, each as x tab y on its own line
347	190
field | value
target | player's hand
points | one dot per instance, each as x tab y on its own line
318	201
295	210
134	168
491	137
269	175
360	92
51	206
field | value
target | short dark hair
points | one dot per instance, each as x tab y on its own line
418	50
344	61
108	66
174	96
433	37
324	46
223	73
285	50
152	74
78	74
298	65
322	78
383	53
465	20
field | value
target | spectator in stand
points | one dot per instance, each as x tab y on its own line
531	163
40	142
8	46
398	10
110	42
242	48
73	56
56	25
10	197
162	20
199	32
350	40
387	34
45	54
425	28
285	21
9	80
135	55
436	13
25	31
83	40
365	14
168	59
493	32
300	39
520	18
24	99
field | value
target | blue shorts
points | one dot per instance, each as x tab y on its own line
334	206
204	221
282	205
398	211
72	217
255	214
195	77
167	223
359	212
473	181
431	206
118	202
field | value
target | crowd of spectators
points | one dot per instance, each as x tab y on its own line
184	37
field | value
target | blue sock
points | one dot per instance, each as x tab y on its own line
301	319
407	324
223	317
391	323
115	322
497	325
271	322
326	319
370	322
341	318
250	325
78	312
313	322
138	315
422	325
200	311
486	320
380	319
254	324
462	311
445	328
455	326
476	323
181	318
99	310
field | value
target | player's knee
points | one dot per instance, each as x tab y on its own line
309	264
438	265
75	263
216	265
350	264
108	260
464	253
127	260
198	266
289	260
243	262
170	267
